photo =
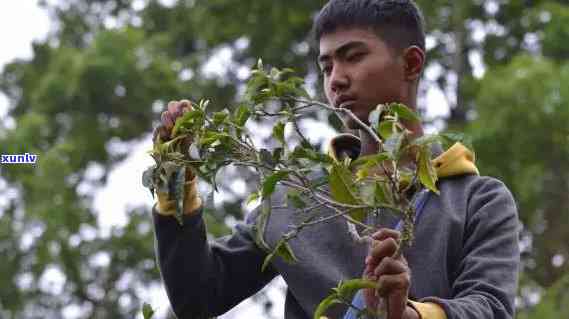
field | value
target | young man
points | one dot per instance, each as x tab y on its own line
465	258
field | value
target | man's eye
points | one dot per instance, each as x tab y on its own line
355	56
326	70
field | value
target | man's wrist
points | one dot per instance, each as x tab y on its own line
192	200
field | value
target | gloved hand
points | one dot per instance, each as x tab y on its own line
192	201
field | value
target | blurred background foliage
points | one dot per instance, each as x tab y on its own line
108	67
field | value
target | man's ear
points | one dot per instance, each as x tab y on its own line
414	62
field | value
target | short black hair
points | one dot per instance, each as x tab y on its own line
399	23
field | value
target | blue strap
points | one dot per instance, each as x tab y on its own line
358	300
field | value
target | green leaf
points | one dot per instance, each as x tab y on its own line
274	73
405	113
268	260
269	183
373	159
285	252
278	132
188	121
343	190
346	289
277	154
252	197
167	146
256	87
386	129
394	144
294	197
449	138
367	193
325	304
173	156
203	105
427	140
241	115
366	163
383	193
282	250
310	154
147	311
261	225
266	157
426	171
148	177
210	201
213	139
320	181
179	194
405	177
220	117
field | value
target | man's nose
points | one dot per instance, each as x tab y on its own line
339	80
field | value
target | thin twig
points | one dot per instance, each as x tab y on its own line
338	204
365	127
356	236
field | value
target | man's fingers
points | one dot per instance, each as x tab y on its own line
185	104
390	266
393	275
164	133
378	249
173	107
371	300
385	233
381	249
175	110
389	284
392	290
167	120
396	304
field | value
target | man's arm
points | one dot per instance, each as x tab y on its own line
207	279
486	281
202	279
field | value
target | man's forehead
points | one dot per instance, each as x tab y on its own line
331	42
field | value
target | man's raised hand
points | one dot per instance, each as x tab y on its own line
168	119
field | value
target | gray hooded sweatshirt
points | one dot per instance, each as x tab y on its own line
465	257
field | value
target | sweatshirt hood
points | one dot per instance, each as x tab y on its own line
457	160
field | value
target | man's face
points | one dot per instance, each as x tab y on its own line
360	72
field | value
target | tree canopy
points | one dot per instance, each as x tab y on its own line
108	67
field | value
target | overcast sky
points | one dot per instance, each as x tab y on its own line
21	21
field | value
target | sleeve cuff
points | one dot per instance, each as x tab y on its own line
428	310
192	200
